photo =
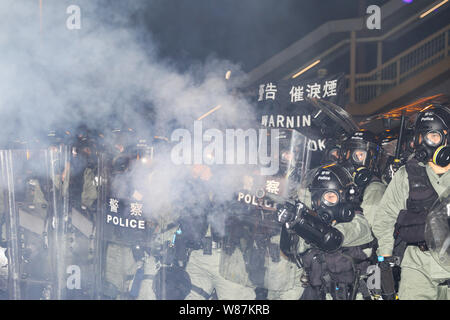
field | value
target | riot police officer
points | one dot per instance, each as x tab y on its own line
400	220
332	243
124	228
139	226
359	154
202	226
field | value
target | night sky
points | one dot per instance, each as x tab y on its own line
246	32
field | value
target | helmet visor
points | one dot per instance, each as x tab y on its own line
330	198
359	156
333	154
433	138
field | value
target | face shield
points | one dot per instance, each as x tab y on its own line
433	138
333	154
432	146
330	190
331	206
360	159
121	163
359	156
330	198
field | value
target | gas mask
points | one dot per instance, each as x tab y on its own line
431	136
432	145
330	211
332	152
358	156
331	189
361	174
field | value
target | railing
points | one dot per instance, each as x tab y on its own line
402	67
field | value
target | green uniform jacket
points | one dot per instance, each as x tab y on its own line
393	201
371	200
356	232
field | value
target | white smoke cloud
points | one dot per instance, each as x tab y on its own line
107	72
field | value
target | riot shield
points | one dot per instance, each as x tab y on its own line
31	222
331	119
437	231
251	255
81	230
49	233
132	240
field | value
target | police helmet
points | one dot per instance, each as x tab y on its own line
332	194
431	135
359	154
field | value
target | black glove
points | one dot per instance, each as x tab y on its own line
286	213
289	212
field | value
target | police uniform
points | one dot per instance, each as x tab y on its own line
133	276
363	171
328	265
421	274
206	276
252	258
132	262
282	278
400	221
372	196
355	233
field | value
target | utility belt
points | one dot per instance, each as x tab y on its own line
338	273
421	245
273	249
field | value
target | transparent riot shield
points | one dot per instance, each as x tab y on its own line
251	254
81	229
331	119
437	231
31	223
49	233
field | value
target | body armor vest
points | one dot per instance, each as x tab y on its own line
410	225
337	273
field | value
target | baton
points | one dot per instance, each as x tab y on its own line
400	138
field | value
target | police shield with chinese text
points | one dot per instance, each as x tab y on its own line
123	229
136	233
251	255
